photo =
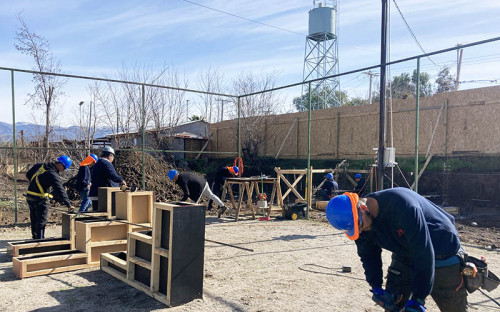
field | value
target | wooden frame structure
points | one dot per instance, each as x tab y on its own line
167	263
35	246
94	237
248	186
106	201
48	263
135	207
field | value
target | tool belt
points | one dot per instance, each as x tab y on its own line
476	274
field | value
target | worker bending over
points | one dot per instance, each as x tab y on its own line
104	175
42	176
194	187
360	185
425	248
329	187
220	177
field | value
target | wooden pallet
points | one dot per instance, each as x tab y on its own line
135	207
96	237
35	246
51	262
106	201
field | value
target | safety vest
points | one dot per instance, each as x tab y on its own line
42	193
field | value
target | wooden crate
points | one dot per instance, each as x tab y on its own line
96	237
139	255
178	252
106	200
68	223
35	246
135	207
115	263
52	262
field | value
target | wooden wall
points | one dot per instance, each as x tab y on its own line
463	122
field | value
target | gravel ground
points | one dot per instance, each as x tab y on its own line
295	266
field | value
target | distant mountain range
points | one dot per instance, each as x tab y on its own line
33	131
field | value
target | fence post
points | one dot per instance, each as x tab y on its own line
14	144
143	137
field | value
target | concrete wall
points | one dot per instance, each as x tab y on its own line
465	122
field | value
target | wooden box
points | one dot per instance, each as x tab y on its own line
68	223
115	263
178	252
96	237
35	246
135	207
106	198
139	254
43	264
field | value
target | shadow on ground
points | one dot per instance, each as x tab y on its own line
107	293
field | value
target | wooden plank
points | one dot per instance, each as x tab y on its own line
140	261
40	246
108	243
321	205
113	259
290	186
135	207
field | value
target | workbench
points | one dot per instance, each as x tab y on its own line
248	185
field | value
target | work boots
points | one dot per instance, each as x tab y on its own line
221	211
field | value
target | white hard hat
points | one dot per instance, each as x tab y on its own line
108	149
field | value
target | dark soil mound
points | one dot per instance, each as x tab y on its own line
128	164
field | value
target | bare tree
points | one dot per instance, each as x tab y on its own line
210	81
254	109
120	105
48	88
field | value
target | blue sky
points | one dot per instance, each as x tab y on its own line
96	38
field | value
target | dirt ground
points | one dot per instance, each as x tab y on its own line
295	266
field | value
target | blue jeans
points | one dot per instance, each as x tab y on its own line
86	202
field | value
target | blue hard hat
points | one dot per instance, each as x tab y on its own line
357	175
172	173
236	169
340	215
65	160
329	176
95	157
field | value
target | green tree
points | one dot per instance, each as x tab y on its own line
196	117
301	103
445	81
404	86
357	101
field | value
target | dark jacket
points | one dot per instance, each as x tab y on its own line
220	176
191	184
50	178
360	188
83	178
104	175
330	186
412	227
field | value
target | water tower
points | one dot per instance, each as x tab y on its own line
321	54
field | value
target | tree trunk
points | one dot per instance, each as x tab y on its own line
47	124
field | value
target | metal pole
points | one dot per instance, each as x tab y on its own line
143	137
14	144
239	127
381	126
187	110
416	125
309	182
90	123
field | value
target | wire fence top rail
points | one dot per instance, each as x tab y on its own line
114	80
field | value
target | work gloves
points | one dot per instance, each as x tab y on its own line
387	299
414	306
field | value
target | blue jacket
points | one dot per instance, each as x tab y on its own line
330	186
103	175
410	226
83	178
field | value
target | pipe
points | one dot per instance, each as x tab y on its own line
309	182
381	126
417	104
14	144
143	137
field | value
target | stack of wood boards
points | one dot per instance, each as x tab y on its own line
166	263
84	237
